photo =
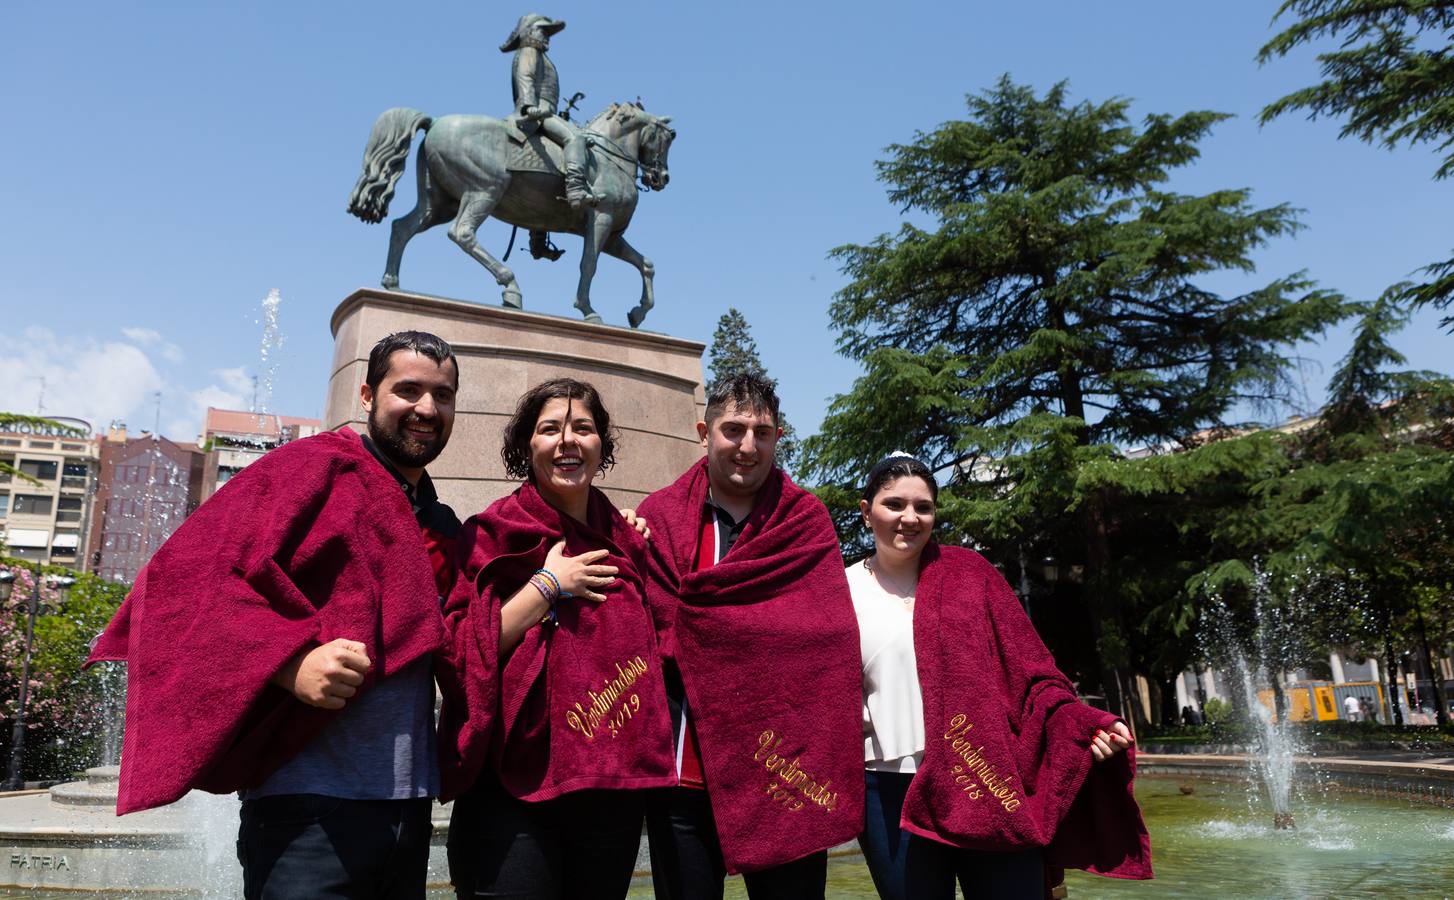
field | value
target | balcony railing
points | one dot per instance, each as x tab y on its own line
73	482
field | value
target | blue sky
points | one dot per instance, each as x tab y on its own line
167	164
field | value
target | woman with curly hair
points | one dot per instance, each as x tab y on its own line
554	785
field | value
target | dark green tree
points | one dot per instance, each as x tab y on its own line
1363	498
1389	80
734	350
1049	312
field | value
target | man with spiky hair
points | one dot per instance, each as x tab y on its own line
760	650
283	644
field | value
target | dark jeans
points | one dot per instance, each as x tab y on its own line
308	845
580	845
905	865
686	855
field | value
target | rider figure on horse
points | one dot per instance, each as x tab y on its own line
536	88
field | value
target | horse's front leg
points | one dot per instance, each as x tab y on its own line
431	209
618	248
474	208
597	234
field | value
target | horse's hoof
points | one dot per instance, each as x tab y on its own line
513	300
636	316
595	319
389	282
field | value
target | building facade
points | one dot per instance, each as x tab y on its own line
146	487
45	511
234	439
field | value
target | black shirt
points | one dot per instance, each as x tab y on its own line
728	528
429	512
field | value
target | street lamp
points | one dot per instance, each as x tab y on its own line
1050	569
17	734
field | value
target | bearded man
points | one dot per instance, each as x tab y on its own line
536	88
284	644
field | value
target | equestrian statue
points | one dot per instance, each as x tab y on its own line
533	169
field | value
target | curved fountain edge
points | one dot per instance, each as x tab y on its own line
1422	782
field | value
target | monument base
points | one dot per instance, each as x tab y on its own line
651	384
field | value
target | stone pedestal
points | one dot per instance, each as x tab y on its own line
650	383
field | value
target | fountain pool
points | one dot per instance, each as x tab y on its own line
1211	843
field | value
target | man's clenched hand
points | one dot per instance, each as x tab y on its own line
327	675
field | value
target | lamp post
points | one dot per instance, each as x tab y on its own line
17	734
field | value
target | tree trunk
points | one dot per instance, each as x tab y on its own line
1279	699
1110	640
1395	709
1440	711
1170	711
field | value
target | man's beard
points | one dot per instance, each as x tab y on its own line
401	449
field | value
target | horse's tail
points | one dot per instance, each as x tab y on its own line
383	162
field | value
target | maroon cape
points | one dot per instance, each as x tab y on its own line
767	644
581	704
314	541
1007	762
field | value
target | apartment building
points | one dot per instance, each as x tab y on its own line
45	510
146	487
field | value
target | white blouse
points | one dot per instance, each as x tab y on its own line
893	705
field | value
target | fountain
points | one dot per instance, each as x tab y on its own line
271	343
1255	650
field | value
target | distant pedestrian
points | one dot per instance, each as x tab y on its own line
1353	708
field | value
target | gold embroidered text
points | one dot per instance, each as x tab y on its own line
601	708
789	777
977	776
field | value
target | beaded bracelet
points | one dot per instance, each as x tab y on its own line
549	587
555	582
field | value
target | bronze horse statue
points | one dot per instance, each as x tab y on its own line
473	167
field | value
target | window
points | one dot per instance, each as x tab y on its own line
68	509
32	505
42	445
39	469
4	505
76	469
74	448
126	509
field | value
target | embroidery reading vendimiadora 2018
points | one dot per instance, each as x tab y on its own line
977	775
789	776
599	705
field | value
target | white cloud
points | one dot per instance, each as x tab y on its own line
83	377
234	392
149	337
101	380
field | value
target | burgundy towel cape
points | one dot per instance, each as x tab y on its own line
767	644
314	541
1007	762
582	704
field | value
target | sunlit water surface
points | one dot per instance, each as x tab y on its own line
1218	843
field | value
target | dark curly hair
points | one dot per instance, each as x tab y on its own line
521	427
894	467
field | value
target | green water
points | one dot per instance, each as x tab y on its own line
1345	845
1214	844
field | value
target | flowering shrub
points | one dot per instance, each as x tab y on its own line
65	712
